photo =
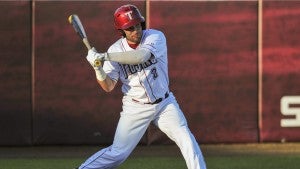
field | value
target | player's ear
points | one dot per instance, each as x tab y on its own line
121	33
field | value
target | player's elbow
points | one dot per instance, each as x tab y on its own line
107	85
107	90
145	55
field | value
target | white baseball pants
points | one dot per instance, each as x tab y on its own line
132	125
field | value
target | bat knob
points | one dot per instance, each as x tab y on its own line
70	18
97	63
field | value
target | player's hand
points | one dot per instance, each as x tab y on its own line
94	57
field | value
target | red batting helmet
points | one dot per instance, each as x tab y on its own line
127	16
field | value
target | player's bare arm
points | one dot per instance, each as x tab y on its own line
107	84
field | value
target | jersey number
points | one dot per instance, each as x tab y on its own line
154	73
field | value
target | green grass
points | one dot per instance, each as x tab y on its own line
254	162
154	163
36	163
69	163
240	156
213	162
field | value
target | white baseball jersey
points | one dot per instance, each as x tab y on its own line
145	82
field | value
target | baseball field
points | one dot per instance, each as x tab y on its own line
219	156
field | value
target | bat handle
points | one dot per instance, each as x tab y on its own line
87	44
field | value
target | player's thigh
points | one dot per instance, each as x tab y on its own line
131	127
171	120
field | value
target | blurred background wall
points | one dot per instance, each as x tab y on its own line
234	67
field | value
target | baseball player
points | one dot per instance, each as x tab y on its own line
139	61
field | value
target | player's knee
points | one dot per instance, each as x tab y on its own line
121	156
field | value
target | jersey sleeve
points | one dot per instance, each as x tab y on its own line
155	41
112	68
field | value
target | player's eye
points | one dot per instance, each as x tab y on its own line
133	28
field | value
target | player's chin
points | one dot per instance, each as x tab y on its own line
135	40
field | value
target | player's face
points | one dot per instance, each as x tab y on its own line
134	34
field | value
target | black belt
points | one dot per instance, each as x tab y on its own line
160	99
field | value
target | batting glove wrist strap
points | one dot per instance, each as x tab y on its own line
100	74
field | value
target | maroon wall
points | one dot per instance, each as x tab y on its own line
213	68
15	73
281	67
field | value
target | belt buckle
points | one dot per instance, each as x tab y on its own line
157	101
161	99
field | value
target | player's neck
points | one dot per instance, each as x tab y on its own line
133	45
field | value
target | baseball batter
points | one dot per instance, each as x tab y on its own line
139	61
